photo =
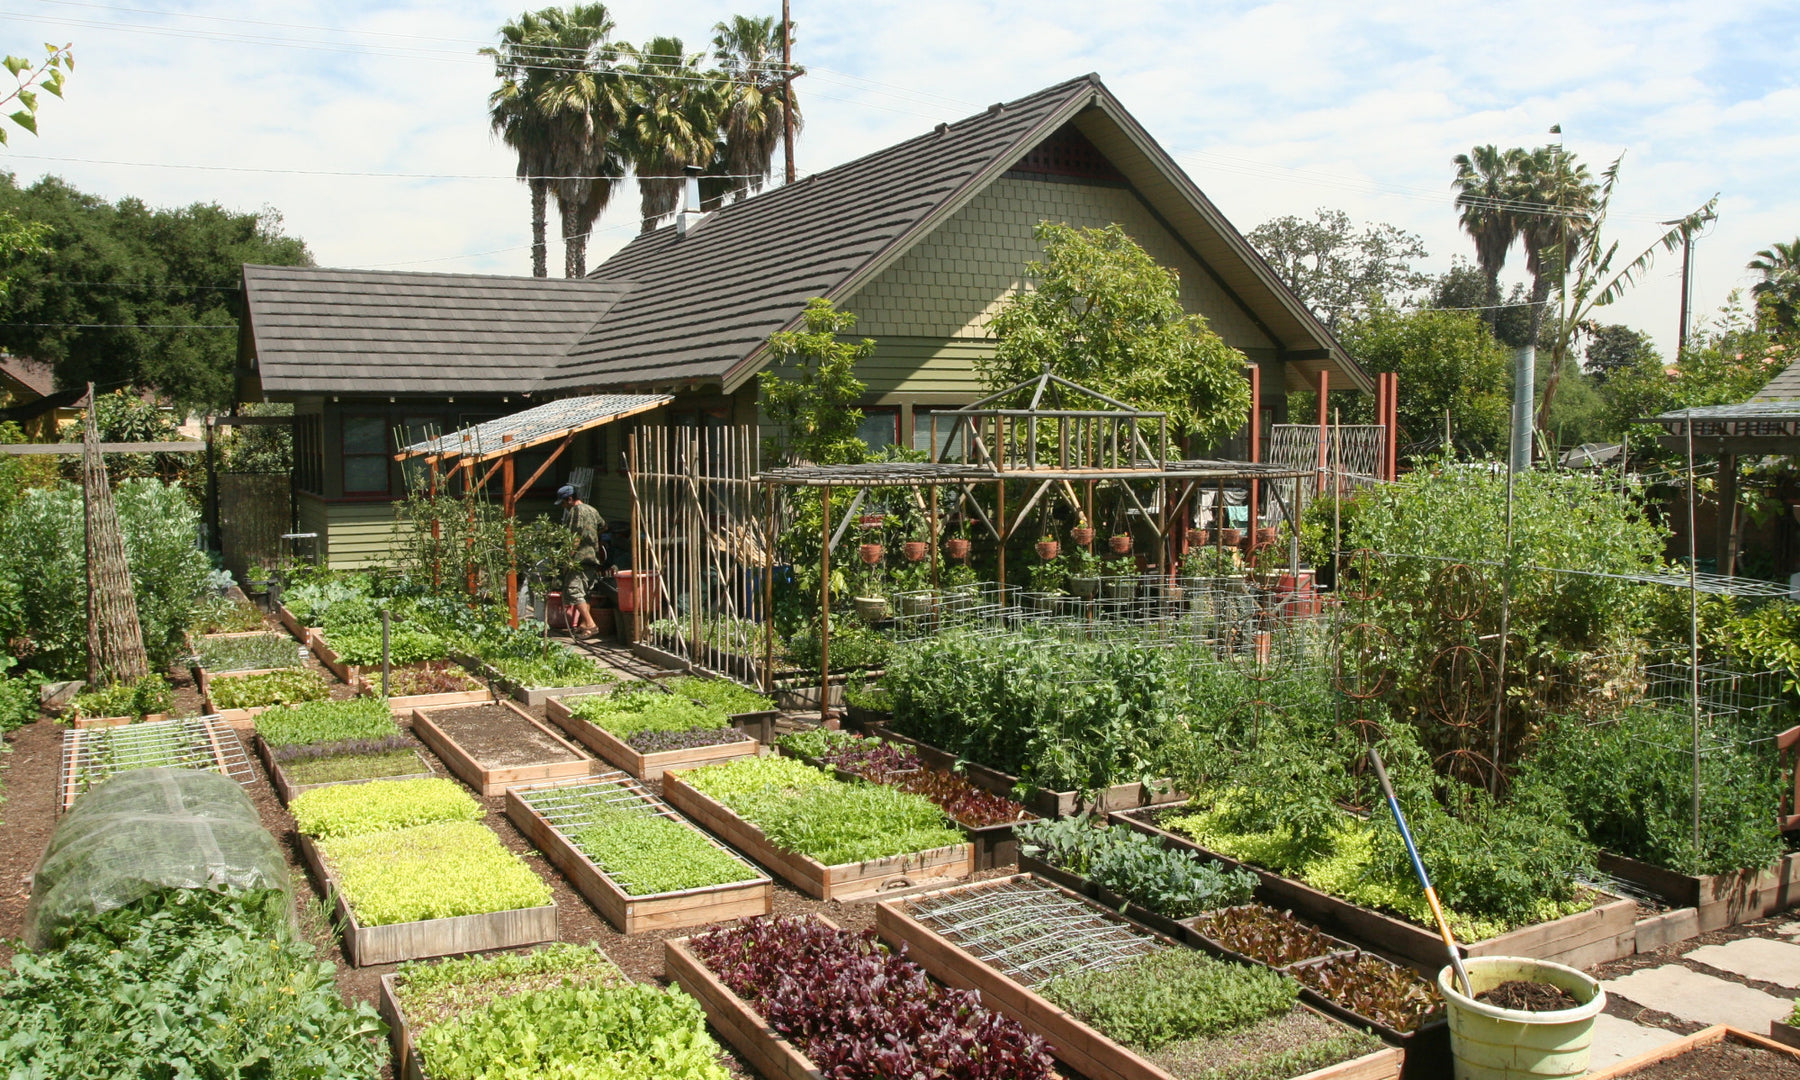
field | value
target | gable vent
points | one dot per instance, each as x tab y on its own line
1068	153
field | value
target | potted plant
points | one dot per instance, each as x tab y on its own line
1119	543
957	547
1083	533
912	592
915	547
1231	537
1266	535
1120	581
870	596
1046	583
1084	573
1047	548
1494	1039
871	553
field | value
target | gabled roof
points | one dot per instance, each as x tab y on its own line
1785	386
317	330
33	375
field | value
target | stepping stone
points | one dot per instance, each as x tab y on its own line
1703	999
1791	929
1754	958
1616	1039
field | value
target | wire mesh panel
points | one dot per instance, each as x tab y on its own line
1031	931
90	755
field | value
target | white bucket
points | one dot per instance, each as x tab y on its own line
1491	1043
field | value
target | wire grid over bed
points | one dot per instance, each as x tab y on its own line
207	743
1029	930
568	809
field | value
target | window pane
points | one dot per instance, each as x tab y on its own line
365	435
880	428
922	432
366	475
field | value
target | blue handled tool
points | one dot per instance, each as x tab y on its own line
1437	910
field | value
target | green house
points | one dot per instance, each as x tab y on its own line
922	240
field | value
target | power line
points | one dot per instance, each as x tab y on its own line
364	173
125	326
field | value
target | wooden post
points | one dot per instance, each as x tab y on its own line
825	606
1725	546
1000	522
469	541
437	555
1324	396
1255	448
506	505
768	612
931	493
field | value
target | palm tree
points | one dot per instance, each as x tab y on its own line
1777	295
748	50
1484	183
1553	204
672	122
559	103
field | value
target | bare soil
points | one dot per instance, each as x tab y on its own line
1723	1061
1530	996
496	738
1199	1057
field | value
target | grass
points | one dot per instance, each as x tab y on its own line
332	770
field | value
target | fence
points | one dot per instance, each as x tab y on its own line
254	512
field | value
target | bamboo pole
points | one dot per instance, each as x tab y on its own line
115	637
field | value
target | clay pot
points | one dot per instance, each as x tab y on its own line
1048	549
1082	536
1265	535
871	553
1201	538
1231	537
915	550
1120	544
871	521
957	547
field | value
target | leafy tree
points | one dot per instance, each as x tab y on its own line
1105	315
46	75
132	295
1335	270
1615	347
748	50
1777	295
18	239
1445	360
815	406
1464	288
1554	195
672	122
1484	183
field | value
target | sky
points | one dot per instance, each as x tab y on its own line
365	124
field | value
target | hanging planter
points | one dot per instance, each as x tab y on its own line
1231	537
915	550
1082	535
1048	549
871	521
958	547
1084	586
1119	544
872	609
1265	535
871	553
1201	537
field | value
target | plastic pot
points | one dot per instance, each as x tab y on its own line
957	548
1491	1043
871	553
1265	535
1084	586
872	608
915	550
1048	549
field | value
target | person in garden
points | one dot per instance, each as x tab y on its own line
584	577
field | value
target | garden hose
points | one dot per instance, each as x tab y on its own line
1437	910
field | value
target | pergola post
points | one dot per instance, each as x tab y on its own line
1324	395
507	496
1255	447
825	606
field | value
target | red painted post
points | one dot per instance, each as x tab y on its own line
1324	426
1255	445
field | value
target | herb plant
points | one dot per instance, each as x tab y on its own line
649	854
428	871
1171	994
859	1011
221	654
815	743
288	686
626	714
653	742
384	805
327	721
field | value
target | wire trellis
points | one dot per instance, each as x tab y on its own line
90	755
1031	931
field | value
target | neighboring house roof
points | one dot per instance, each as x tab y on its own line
31	375
700	307
1783	387
318	330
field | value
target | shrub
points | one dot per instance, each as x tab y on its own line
383	805
429	871
1171	994
219	614
327	721
150	694
286	687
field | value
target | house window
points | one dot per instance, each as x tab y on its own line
415	471
309	455
922	435
365	455
880	428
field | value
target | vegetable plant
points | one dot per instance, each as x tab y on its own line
728	697
815	743
1170	994
1171	882
653	742
327	721
626	714
1373	988
427	677
383	805
150	694
428	871
1264	934
221	654
859	1011
967	805
554	666
648	854
360	644
288	686
218	614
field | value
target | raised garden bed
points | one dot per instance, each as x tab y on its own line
303	633
1785	1033
554	817
792	960
842	881
645	765
390	849
90	755
346	672
1010	939
529	695
287	789
515	1013
1050	804
1706	902
749	712
288	686
116	721
1607	931
1718	1053
492	747
441	672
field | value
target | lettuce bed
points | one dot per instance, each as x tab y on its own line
430	872
327	721
382	805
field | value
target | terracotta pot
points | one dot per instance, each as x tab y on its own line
1119	544
1231	537
1048	549
1082	537
871	553
915	550
957	547
1265	535
1201	538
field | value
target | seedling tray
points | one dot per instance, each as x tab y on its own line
845	881
621	754
629	913
287	789
367	945
491	781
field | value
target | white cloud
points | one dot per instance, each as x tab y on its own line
1275	108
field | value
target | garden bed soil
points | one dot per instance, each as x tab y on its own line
1049	804
633	914
1529	996
1073	1042
621	754
369	685
1717	1053
492	747
1706	902
365	945
844	881
286	789
1605	932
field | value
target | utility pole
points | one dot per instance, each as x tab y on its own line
1687	287
787	90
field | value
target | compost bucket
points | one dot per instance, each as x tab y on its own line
1491	1043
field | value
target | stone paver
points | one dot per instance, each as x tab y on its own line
1791	929
1703	999
1616	1039
1754	958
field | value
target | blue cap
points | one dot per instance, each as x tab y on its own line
567	491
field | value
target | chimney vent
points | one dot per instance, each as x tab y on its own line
690	202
